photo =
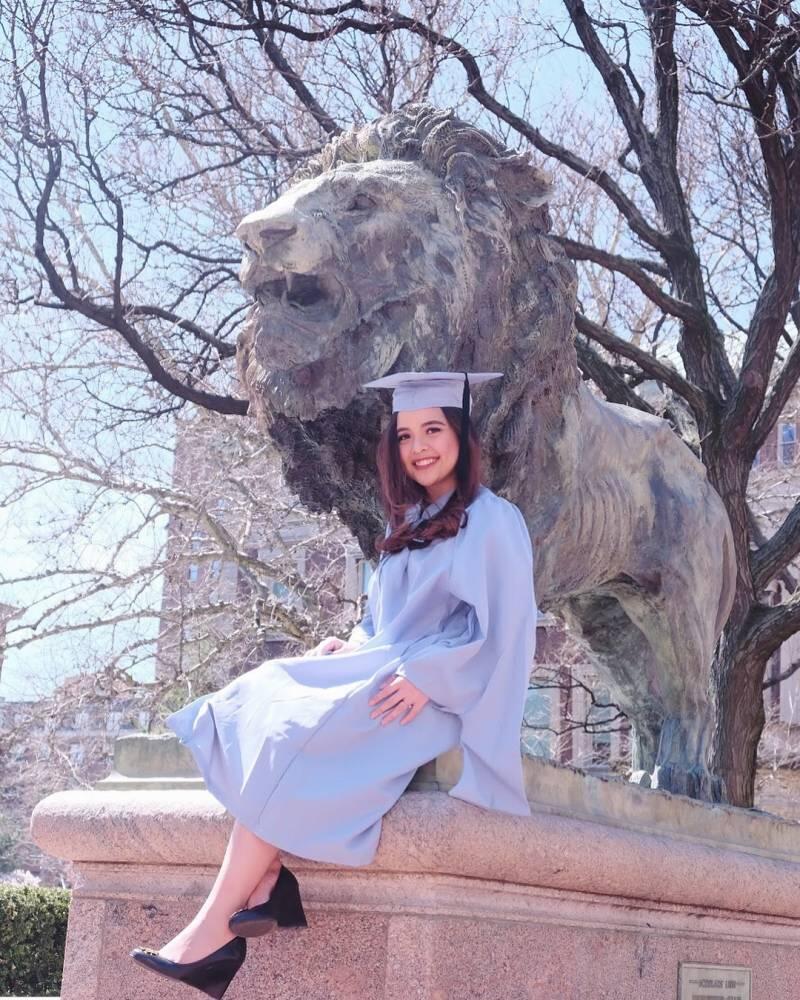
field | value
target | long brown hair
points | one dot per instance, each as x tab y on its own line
399	491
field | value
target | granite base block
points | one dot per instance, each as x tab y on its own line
459	903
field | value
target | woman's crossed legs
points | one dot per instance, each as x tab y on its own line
248	872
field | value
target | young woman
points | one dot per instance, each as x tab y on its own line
309	753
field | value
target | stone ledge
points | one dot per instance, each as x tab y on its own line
571	792
567	791
431	833
161	762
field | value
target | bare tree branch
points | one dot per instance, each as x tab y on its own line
655	369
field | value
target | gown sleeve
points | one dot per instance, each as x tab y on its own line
482	675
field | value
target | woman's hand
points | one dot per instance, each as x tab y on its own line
333	644
395	696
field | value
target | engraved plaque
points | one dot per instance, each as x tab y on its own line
713	982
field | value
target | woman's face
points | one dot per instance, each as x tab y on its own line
423	435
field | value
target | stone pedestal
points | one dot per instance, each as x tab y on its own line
598	896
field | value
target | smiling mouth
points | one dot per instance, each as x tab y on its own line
426	463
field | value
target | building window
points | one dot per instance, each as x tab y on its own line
279	590
114	721
192	572
787	443
601	748
216	569
537	737
601	714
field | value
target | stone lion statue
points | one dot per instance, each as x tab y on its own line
419	242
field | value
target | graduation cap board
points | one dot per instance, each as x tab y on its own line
418	390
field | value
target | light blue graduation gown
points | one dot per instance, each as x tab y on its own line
289	748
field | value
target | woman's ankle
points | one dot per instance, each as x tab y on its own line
263	890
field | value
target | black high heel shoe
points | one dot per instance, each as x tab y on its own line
283	908
212	974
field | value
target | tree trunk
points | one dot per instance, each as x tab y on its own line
740	721
736	672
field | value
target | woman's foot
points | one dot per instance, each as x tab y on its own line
262	891
195	942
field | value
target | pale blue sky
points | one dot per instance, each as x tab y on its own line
33	543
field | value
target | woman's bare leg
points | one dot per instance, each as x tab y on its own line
241	876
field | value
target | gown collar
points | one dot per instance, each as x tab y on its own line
418	512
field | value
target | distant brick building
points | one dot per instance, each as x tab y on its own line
774	490
63	741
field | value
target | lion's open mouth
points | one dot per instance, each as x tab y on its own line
309	296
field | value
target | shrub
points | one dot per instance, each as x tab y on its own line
33	930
